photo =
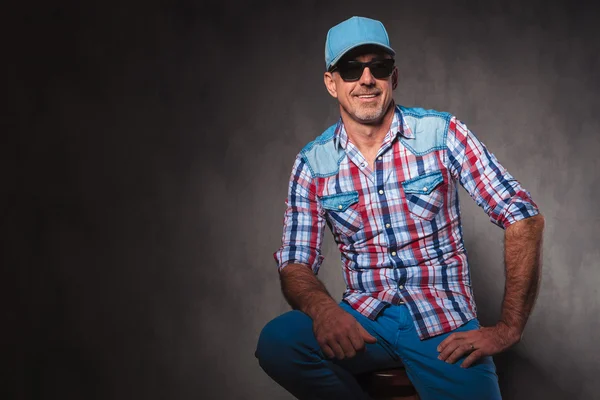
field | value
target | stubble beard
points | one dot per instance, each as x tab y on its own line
368	114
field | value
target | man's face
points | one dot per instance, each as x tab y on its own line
367	99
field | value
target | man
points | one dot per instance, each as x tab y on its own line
384	179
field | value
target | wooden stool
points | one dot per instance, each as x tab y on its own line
390	384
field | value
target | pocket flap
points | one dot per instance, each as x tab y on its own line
339	201
423	184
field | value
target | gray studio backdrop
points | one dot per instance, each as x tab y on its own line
145	188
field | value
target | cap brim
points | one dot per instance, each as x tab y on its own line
388	49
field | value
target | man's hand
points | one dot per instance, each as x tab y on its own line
339	334
479	343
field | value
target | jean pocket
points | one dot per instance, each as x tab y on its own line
424	196
342	211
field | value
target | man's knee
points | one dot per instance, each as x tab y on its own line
282	338
271	339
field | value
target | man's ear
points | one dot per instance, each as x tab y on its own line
330	84
395	78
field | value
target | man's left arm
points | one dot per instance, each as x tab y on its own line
510	207
522	254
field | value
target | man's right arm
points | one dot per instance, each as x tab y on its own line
338	333
304	292
299	258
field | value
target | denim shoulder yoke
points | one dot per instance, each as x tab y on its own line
429	129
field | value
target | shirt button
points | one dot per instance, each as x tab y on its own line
425	189
400	287
340	206
393	253
380	158
387	225
363	165
380	191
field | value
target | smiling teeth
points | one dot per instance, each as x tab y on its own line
367	95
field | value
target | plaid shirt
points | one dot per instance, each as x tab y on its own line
398	225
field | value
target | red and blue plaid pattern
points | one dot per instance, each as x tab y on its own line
398	225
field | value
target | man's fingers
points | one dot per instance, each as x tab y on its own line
357	341
366	336
327	351
448	350
337	350
347	347
474	356
460	351
451	338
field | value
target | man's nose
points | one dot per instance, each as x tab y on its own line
367	77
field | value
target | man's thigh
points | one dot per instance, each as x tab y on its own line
436	379
290	338
377	356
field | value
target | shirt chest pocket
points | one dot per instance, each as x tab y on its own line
424	195
342	211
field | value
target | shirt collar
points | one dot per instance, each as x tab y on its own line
405	130
398	126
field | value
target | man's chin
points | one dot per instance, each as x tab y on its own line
369	118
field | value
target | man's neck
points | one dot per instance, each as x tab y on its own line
368	137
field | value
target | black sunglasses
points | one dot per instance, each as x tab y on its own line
352	70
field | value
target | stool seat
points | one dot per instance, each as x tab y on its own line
389	384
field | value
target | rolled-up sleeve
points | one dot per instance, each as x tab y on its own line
303	223
485	179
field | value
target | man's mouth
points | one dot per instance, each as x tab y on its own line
368	97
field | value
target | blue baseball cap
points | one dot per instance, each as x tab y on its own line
354	32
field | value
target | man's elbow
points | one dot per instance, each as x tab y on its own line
531	227
537	222
295	269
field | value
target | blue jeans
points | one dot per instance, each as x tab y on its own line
289	353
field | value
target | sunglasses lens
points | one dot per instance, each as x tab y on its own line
353	70
382	69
